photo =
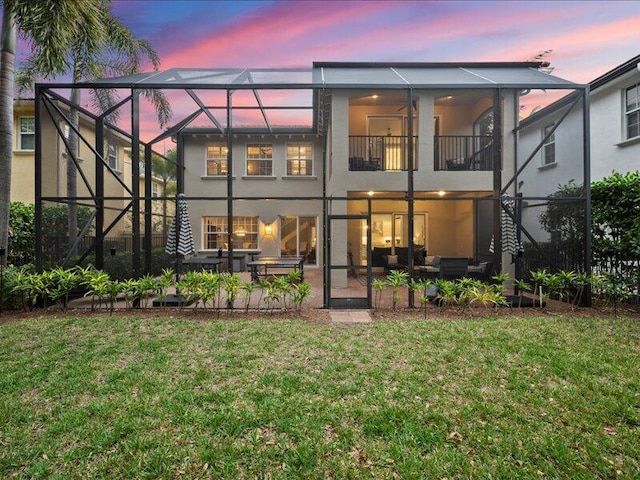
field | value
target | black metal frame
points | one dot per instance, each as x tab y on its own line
44	93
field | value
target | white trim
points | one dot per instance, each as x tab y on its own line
286	159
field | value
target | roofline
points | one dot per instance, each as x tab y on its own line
549	109
616	72
251	131
600	81
427	64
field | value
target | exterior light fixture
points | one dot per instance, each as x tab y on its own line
370	193
268	229
374	96
442	193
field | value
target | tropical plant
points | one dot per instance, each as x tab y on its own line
396	279
300	291
378	286
248	288
539	278
522	286
165	280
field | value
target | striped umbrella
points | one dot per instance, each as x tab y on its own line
180	240
509	237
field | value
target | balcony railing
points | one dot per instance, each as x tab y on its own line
384	152
463	152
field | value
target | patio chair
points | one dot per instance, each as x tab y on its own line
453	267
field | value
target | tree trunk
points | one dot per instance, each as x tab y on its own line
7	56
72	171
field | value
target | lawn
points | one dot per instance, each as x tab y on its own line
520	397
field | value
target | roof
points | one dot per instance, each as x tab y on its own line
347	75
626	67
618	71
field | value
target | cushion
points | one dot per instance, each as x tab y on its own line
428	260
436	261
392	259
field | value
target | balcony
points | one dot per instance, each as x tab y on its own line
463	152
383	153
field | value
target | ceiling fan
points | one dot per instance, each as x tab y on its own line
404	106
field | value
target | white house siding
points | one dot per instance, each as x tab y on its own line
609	151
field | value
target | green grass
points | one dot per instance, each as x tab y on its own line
164	398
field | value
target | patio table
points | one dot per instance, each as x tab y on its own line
260	267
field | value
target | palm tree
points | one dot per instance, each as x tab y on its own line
50	26
117	52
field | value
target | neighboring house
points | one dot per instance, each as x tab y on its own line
117	156
390	161
614	113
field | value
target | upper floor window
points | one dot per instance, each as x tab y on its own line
299	159
632	111
112	156
260	159
27	137
549	147
217	159
155	190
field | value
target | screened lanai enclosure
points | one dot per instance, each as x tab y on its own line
352	169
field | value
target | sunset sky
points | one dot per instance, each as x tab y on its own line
586	39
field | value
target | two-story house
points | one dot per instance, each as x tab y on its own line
352	166
117	155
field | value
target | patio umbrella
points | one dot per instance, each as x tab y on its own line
509	237
180	240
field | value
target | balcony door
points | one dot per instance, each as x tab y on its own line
386	144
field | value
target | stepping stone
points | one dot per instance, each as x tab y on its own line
350	317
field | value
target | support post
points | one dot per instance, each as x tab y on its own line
99	200
38	180
410	193
586	150
230	233
148	207
135	179
497	179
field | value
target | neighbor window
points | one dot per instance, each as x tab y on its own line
632	111
217	159
155	190
299	159
260	160
245	232
27	136
549	147
112	156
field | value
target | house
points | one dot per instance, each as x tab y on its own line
352	166
55	158
614	144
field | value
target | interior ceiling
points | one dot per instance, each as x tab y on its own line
399	99
435	195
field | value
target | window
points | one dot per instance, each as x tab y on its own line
260	160
112	156
215	232
155	190
217	159
549	147
27	137
632	111
299	159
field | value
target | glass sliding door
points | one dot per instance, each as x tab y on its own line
298	237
